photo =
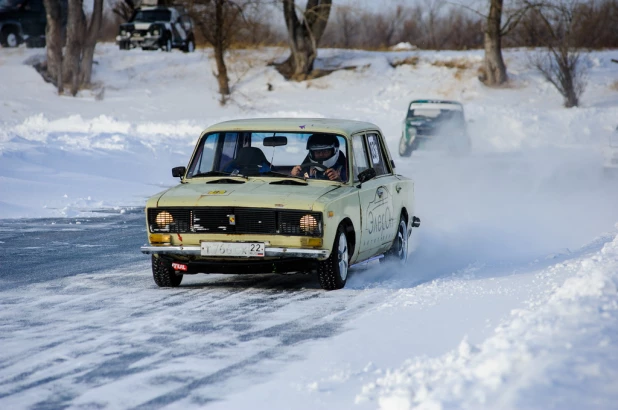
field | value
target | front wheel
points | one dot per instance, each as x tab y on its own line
333	272
163	274
399	250
405	149
9	37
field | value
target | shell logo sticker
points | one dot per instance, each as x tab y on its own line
216	192
232	219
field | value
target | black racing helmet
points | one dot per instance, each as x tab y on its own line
320	142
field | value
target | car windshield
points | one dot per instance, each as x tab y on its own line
9	4
152	15
269	154
434	114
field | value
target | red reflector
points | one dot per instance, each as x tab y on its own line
179	266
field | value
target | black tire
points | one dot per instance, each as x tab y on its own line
333	272
405	149
190	46
9	37
163	274
167	44
399	249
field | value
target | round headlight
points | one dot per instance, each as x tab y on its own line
163	219
123	33
308	224
156	32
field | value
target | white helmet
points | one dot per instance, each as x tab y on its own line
321	142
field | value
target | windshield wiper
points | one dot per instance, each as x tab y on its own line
279	174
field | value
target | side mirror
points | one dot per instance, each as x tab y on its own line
366	175
179	172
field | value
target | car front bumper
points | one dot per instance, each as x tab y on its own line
150	41
269	252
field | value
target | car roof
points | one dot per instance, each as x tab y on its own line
437	104
308	125
431	101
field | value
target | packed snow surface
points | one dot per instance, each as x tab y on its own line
509	299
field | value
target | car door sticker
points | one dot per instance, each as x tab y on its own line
374	149
380	216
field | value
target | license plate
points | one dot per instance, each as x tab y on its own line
245	249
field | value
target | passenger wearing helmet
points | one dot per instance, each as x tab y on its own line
324	159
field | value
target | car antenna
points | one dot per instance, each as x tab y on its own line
273	157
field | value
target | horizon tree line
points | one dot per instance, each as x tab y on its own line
563	27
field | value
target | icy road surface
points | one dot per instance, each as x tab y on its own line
82	324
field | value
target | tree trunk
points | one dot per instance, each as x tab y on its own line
303	37
219	50
90	42
75	35
53	38
495	69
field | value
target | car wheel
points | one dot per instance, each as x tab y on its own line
9	37
399	250
405	149
190	47
333	272
167	46
163	274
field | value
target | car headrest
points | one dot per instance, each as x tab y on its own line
251	156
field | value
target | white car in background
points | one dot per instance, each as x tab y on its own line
610	165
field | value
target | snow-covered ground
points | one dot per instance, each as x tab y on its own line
510	297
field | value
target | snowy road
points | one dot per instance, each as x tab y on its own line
81	316
83	325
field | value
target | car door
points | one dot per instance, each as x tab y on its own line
378	219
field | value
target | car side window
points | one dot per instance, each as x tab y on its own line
376	153
360	155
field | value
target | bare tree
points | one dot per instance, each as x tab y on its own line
125	9
304	34
81	41
54	40
218	22
75	66
346	27
562	64
494	67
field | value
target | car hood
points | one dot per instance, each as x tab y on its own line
252	193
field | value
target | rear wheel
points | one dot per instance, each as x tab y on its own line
405	149
399	250
167	45
190	46
163	274
333	272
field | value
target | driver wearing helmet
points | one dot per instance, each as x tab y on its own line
324	160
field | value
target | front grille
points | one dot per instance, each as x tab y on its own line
235	220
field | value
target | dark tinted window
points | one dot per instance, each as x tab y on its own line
152	15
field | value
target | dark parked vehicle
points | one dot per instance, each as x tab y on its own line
153	28
22	21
